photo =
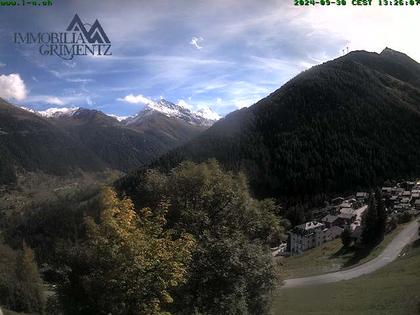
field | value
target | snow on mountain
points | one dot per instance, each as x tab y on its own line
57	112
207	113
28	109
119	118
203	117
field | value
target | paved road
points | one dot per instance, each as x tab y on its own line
390	253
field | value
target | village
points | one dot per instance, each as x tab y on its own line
402	202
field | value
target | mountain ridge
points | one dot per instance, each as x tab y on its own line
349	123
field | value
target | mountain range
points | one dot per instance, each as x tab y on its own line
349	123
64	140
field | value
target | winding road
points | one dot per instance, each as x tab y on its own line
390	253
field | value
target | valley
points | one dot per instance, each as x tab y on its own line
185	206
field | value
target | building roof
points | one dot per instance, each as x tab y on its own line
345	204
308	227
346	215
329	218
347	211
335	230
405	200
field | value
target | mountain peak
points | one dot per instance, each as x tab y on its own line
203	117
388	50
397	55
55	112
208	113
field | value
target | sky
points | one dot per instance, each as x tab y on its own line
222	54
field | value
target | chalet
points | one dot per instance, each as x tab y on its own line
406	200
362	196
306	236
406	193
330	220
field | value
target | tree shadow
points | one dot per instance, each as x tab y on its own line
356	254
341	252
416	243
359	254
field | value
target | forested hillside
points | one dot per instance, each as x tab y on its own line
349	123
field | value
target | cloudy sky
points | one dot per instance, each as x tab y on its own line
225	54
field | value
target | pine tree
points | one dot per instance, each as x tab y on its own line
369	221
346	237
382	217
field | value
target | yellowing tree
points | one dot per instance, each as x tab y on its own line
128	263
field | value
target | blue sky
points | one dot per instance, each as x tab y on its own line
222	54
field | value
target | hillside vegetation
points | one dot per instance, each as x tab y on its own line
349	123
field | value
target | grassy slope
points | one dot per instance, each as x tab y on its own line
328	258
394	289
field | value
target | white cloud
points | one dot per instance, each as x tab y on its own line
79	80
242	103
374	30
70	64
57	101
12	87
135	99
195	41
53	100
89	101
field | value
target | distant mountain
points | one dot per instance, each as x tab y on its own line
203	118
96	140
55	112
135	141
32	143
351	122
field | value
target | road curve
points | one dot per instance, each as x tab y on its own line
389	254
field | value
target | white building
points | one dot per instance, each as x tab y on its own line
306	236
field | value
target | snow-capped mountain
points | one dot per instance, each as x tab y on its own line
203	117
53	112
208	114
